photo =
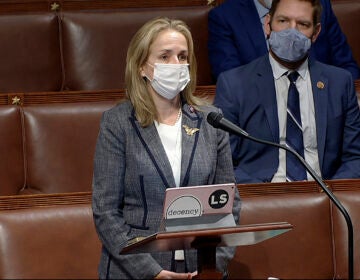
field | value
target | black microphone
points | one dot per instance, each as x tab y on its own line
217	120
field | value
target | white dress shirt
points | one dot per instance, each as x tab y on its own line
307	109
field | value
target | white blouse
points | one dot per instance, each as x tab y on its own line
170	136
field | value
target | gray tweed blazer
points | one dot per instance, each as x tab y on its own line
131	173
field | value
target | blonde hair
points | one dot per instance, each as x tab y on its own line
137	55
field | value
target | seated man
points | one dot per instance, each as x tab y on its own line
325	126
236	36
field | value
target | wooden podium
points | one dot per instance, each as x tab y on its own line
205	241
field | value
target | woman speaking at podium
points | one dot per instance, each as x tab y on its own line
158	138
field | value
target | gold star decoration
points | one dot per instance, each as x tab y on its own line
54	6
189	130
16	100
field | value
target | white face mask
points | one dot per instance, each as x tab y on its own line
170	79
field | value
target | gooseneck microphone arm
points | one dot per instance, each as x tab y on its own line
218	121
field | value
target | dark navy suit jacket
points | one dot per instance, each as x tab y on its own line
236	37
247	97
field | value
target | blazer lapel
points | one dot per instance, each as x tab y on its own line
190	131
152	144
320	88
266	93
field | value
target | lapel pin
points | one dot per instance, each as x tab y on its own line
189	130
320	85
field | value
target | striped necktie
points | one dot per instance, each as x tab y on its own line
294	133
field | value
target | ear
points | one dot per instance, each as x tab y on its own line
142	72
267	27
316	32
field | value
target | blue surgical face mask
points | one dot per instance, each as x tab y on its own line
289	44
